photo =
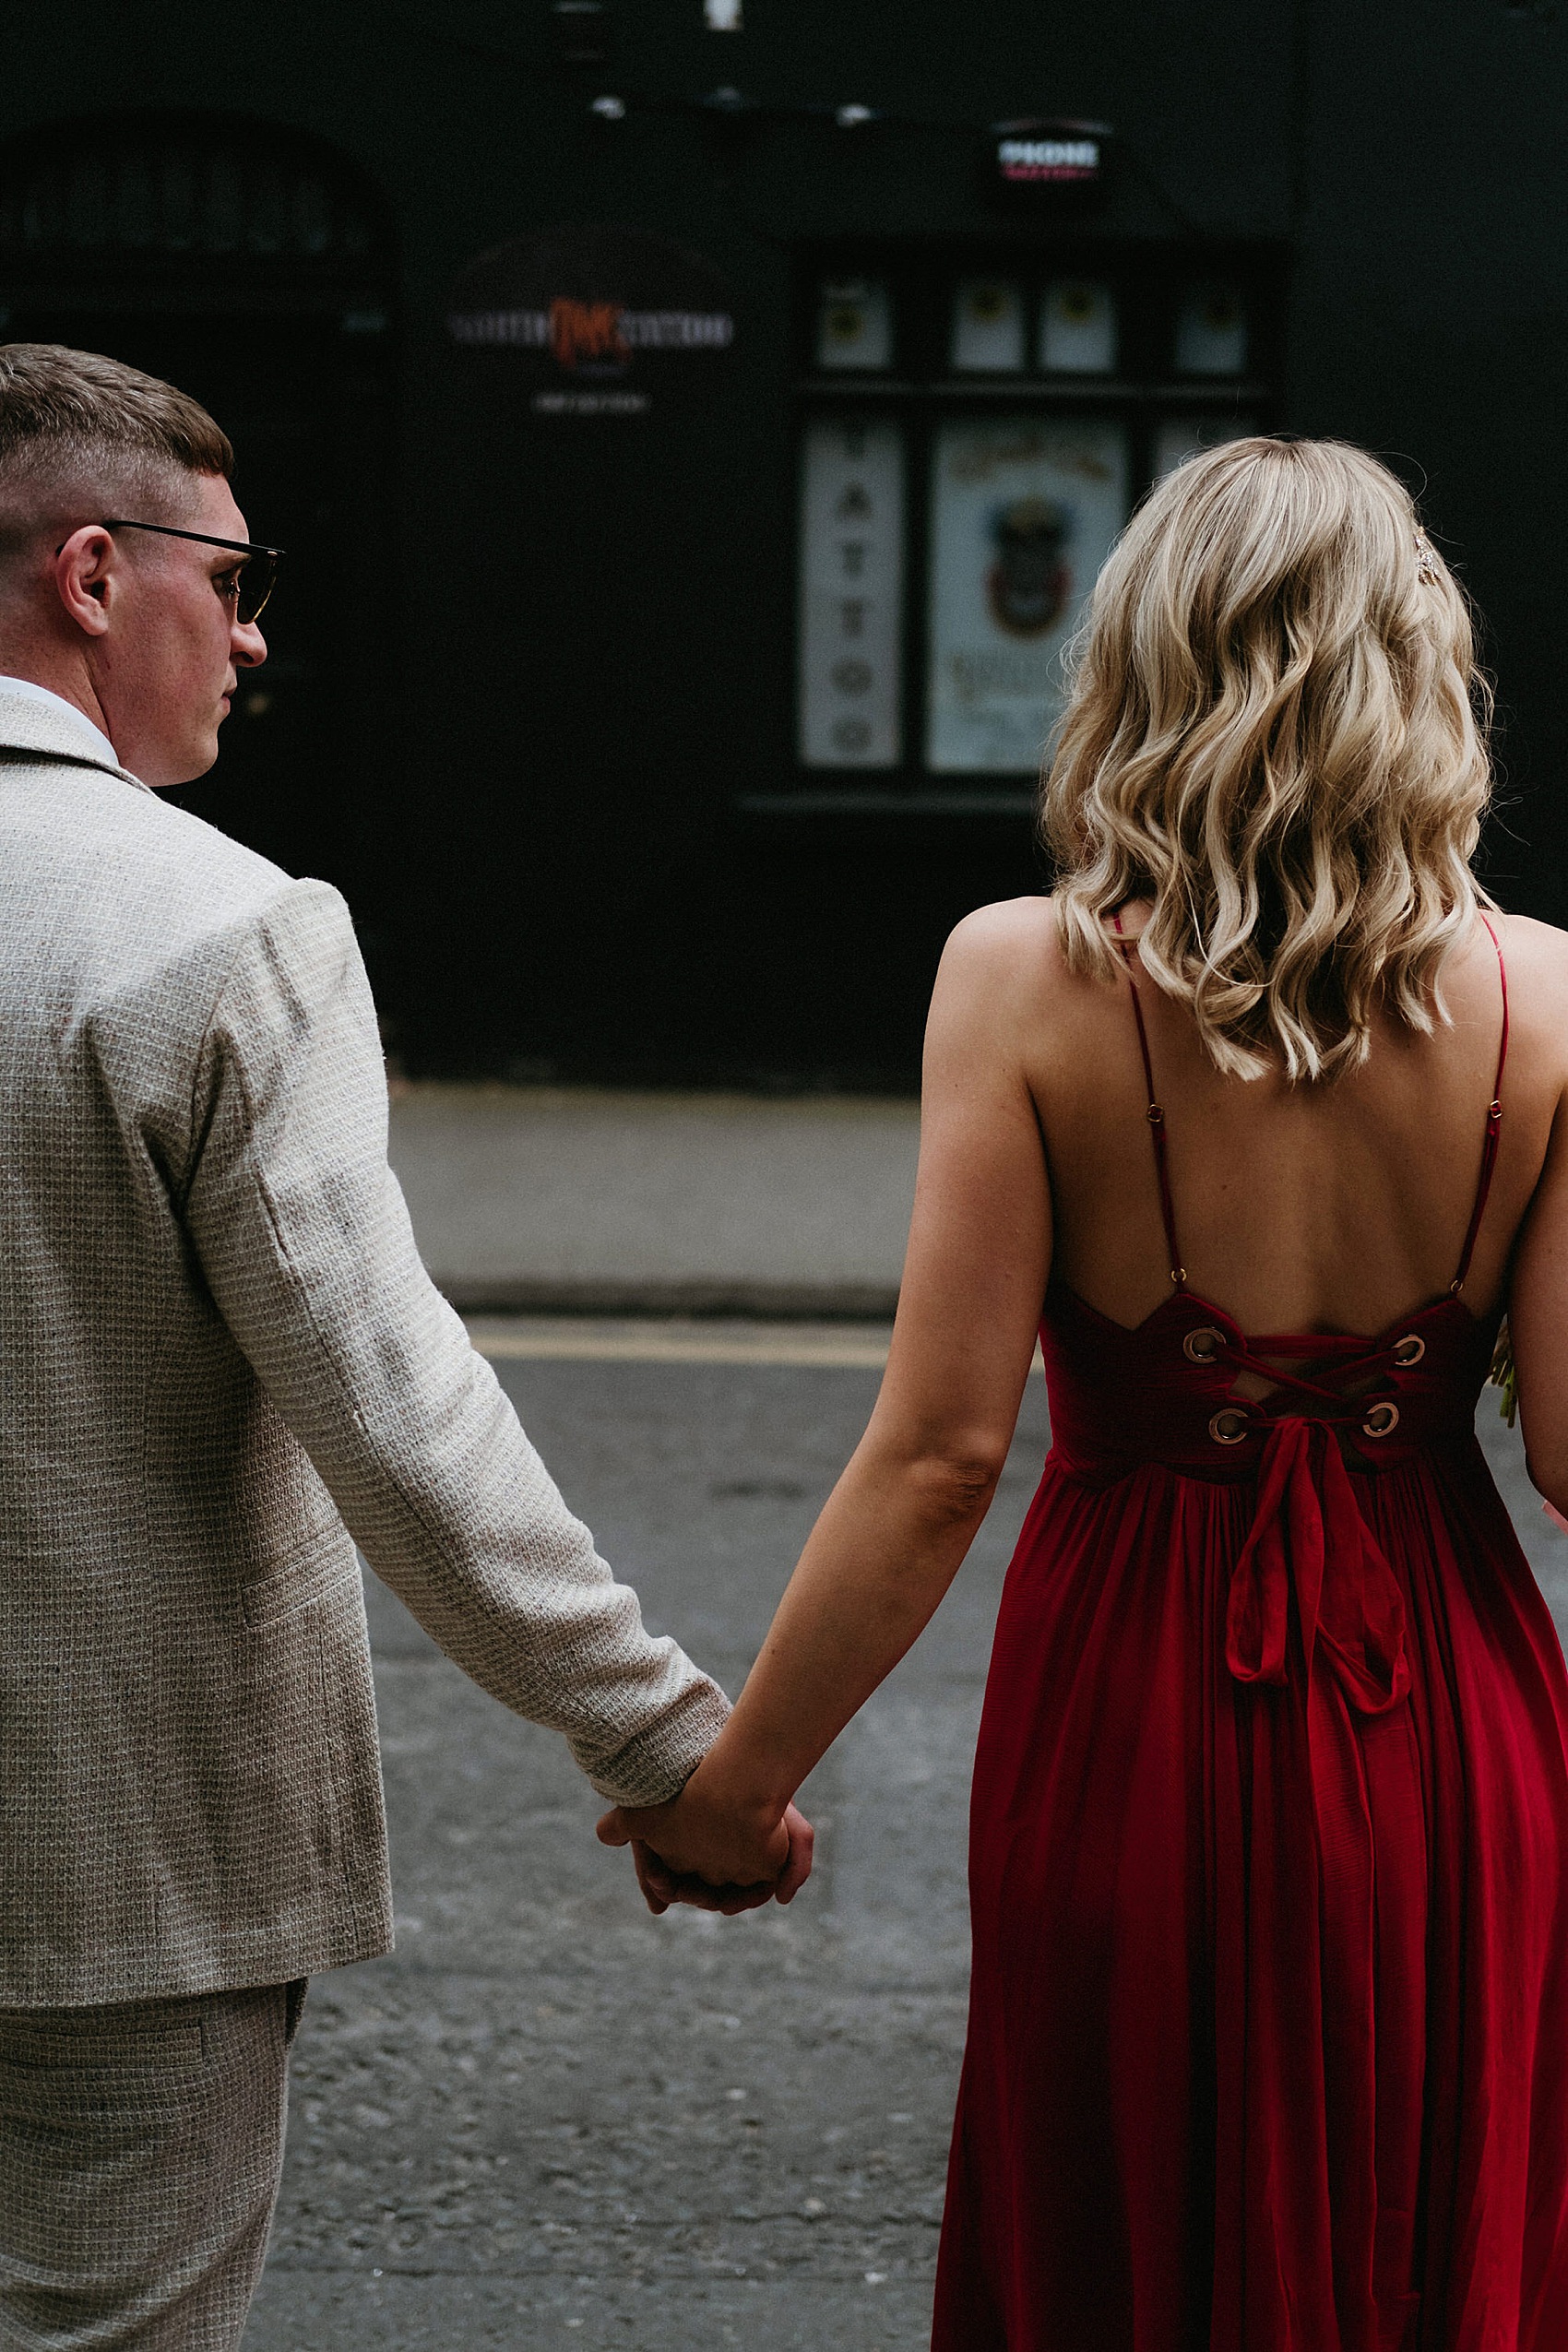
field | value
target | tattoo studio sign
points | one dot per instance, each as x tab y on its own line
597	322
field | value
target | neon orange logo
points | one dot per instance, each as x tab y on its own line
580	331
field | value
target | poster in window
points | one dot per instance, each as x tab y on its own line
851	617
1077	328
1024	512
854	323
988	326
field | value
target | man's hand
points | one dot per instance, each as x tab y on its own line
695	1850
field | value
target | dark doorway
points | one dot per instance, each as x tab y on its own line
253	269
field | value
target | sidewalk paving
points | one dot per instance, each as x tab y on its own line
573	1200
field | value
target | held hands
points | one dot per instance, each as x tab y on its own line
707	1850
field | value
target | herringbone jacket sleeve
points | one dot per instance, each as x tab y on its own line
304	1242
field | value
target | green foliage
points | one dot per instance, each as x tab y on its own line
1504	1375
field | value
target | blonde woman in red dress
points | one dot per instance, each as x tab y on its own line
1268	1109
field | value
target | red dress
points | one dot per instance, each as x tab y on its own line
1268	2033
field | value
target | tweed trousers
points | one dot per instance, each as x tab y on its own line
140	2150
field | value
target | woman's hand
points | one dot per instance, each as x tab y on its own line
709	1849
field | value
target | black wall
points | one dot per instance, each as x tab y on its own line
570	655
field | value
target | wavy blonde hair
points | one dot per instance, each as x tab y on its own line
1276	730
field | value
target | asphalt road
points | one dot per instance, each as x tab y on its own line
550	2118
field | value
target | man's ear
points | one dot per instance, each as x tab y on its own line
82	569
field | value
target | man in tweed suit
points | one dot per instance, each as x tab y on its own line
222	1363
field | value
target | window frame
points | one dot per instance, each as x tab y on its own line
920	391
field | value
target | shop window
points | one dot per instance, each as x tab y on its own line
1211	331
975	430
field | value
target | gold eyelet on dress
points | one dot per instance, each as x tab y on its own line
1202	1346
1409	1350
1228	1427
1382	1421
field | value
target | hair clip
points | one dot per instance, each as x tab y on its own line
1426	566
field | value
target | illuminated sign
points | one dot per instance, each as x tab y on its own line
1026	157
598	321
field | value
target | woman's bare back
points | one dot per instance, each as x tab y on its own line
1335	1207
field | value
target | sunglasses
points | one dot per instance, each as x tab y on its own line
257	579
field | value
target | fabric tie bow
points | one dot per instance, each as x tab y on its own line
1308	1531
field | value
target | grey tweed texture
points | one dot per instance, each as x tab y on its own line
140	2150
221	1358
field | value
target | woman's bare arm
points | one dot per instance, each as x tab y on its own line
897	1525
1538	1322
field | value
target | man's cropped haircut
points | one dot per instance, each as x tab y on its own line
78	429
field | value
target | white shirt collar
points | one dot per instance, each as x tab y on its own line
31	693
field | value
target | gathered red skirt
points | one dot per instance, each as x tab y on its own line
1269	2039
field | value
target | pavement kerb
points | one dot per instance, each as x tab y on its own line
704	1298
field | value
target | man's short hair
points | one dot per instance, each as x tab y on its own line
78	429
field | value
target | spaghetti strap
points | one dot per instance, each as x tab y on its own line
1493	1122
1156	1118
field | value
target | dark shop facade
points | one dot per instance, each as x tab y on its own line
693	426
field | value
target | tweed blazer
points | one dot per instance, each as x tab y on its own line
222	1363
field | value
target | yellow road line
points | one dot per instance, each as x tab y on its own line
584	1340
661	1345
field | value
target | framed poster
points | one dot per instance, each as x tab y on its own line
851	615
988	326
1024	512
854	323
1077	328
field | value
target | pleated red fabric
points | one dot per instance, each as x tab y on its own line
1269	2034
